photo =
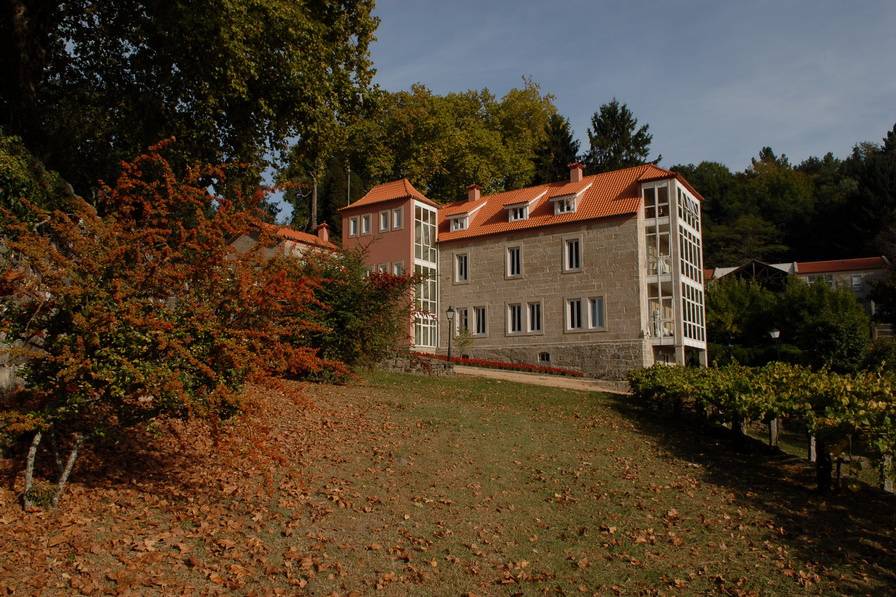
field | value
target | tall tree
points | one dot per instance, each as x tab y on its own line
557	151
443	143
87	83
615	139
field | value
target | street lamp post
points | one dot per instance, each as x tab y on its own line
450	315
774	335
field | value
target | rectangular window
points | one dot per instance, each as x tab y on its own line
458	224
596	312
564	206
397	218
353	226
365	224
514	262
398	268
518	213
572	259
544	357
384	221
534	317
515	318
479	314
574	314
462	319
382	268
461	268
857	280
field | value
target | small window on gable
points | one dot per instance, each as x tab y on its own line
459	223
518	213
566	205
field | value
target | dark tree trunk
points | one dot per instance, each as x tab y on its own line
823	466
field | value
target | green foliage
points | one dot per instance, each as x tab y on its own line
823	208
615	139
445	143
92	83
819	325
558	149
23	177
362	317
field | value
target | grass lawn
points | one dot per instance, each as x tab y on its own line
448	486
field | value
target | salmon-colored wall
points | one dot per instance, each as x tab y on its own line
383	247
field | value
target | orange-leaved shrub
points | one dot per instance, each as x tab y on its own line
138	307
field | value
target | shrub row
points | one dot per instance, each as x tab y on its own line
489	364
832	406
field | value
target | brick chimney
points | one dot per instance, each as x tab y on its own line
473	192
576	170
323	233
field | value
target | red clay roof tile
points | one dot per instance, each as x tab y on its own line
610	194
396	189
840	265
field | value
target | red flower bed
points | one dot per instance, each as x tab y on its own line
488	364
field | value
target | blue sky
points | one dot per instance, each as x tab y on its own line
716	80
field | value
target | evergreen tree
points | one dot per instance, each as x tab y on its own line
559	149
615	139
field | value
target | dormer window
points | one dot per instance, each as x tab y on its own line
459	223
518	213
565	205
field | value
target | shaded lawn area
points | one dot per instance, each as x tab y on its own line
448	486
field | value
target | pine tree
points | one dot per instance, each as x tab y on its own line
558	150
615	139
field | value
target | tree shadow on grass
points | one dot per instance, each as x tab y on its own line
852	529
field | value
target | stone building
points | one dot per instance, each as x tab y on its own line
602	273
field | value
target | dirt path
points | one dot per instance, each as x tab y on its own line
552	381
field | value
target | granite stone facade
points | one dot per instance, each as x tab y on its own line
611	270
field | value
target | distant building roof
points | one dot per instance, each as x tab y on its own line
604	195
388	191
841	265
287	233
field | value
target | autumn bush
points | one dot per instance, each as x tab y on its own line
145	311
832	406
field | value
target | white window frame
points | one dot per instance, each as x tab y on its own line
382	268
397	218
384	221
567	262
569	315
529	327
520	319
458	258
477	311
508	262
365	224
461	223
398	268
565	205
592	325
353	226
515	214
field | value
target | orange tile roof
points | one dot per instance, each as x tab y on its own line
840	265
396	189
615	193
298	236
464	207
524	198
570	188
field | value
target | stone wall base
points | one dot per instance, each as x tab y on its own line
605	360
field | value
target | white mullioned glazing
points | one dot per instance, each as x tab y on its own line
426	295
